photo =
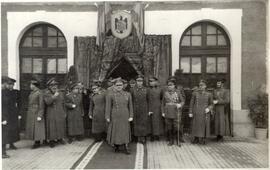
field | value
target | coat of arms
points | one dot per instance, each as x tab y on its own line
121	24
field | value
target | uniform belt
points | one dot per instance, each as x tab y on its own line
170	103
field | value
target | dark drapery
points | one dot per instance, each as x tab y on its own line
157	57
87	59
94	63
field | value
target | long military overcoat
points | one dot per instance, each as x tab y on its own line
5	114
118	110
154	105
55	115
201	100
13	127
141	118
222	124
35	130
97	111
74	115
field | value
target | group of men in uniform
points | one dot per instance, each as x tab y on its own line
123	112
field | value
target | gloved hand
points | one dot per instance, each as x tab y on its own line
38	118
178	106
150	113
190	115
19	117
163	114
4	122
130	119
215	101
108	120
73	106
207	110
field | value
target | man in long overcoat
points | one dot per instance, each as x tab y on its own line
172	103
119	114
55	113
75	113
140	106
154	105
5	114
201	105
35	120
13	107
221	99
97	111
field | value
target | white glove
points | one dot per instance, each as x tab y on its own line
207	110
38	118
215	101
178	106
56	94
130	119
190	115
19	117
108	120
150	113
4	122
163	114
90	117
73	106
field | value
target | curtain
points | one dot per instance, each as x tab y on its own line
156	57
87	59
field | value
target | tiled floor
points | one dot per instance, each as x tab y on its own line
59	157
232	153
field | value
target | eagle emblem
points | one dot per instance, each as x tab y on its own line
121	24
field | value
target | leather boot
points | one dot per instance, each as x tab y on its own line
127	151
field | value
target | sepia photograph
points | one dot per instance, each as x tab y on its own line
135	84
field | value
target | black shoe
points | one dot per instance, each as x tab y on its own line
61	141
127	151
79	138
157	138
170	143
45	142
181	140
35	146
202	141
152	138
5	156
195	140
12	146
116	148
52	144
70	140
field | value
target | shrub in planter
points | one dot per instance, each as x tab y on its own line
258	110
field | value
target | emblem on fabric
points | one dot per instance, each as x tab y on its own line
121	25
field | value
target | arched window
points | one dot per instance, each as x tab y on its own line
43	52
204	53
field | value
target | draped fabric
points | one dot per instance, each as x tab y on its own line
104	22
157	57
87	59
115	50
92	62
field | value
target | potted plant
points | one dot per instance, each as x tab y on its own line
258	112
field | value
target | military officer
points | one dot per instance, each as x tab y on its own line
221	99
201	105
171	103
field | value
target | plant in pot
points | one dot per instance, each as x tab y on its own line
258	112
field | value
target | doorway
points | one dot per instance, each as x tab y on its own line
123	69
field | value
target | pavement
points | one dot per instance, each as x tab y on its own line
233	152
